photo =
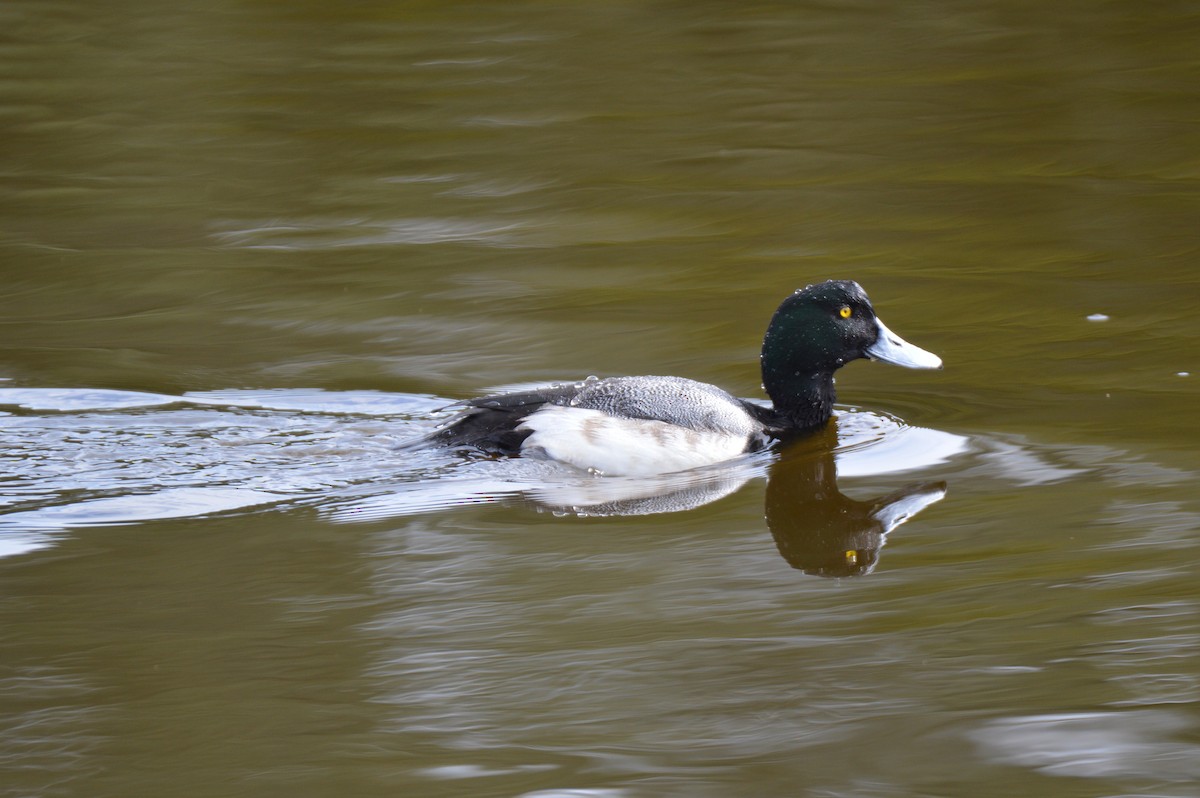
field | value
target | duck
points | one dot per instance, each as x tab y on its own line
648	425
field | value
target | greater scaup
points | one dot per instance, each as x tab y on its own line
635	426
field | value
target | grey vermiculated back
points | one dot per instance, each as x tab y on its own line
674	400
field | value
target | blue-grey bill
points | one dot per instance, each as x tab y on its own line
891	348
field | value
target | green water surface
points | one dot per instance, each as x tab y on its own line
429	199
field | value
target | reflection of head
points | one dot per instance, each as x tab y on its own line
822	532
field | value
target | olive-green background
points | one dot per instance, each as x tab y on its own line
427	199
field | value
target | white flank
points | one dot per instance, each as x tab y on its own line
593	440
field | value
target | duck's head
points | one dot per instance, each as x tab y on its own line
816	331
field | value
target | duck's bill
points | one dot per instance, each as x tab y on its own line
891	348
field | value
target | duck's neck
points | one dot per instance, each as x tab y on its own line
798	359
801	401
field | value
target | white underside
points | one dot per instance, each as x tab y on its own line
595	441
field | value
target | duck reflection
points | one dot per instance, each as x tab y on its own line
823	532
817	528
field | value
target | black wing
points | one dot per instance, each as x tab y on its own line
490	422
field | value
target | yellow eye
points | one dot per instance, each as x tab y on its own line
845	312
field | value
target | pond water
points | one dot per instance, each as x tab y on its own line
249	249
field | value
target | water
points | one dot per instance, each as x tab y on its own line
248	250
